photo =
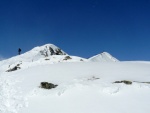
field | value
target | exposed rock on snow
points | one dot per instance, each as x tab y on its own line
81	60
124	81
47	85
49	49
103	57
14	68
67	58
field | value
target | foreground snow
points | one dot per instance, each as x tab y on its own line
84	85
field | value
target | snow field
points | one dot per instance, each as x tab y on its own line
84	86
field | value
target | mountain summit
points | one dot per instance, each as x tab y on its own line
45	51
40	52
103	57
49	49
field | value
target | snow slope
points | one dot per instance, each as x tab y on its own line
83	86
46	54
103	57
37	53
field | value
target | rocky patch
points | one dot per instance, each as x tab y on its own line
14	68
47	85
124	81
67	58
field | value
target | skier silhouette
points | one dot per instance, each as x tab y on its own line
19	51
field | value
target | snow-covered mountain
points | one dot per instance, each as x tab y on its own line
78	85
36	53
46	54
103	57
41	52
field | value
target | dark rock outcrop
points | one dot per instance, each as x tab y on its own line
67	58
14	68
59	52
47	85
47	51
51	51
124	81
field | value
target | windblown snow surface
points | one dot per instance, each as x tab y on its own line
83	86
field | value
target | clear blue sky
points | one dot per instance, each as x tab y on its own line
79	27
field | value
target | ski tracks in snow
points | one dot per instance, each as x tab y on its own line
10	97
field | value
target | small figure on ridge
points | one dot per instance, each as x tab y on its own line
19	51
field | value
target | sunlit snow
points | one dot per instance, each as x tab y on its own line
84	85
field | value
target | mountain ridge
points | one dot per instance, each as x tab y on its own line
48	50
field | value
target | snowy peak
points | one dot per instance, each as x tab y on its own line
41	55
42	52
45	51
103	57
37	53
48	50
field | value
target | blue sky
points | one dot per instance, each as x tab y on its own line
79	27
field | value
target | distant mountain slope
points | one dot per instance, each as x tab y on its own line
43	51
46	54
103	57
38	52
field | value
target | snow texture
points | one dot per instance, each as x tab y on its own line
84	86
